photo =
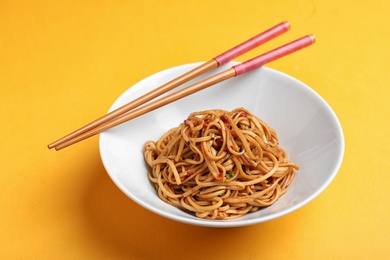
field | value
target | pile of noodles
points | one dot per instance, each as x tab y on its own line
219	164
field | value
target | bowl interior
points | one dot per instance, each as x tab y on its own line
307	128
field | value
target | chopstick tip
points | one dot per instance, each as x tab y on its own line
287	23
313	38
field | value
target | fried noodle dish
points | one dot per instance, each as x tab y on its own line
219	164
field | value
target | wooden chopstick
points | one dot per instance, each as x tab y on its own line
224	75
211	64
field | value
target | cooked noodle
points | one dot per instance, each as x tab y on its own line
219	164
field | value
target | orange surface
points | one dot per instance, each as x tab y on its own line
63	63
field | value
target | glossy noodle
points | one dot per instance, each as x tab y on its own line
219	164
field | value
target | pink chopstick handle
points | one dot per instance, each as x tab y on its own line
252	43
274	54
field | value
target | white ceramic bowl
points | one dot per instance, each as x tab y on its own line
306	126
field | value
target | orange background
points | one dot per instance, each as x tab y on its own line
63	63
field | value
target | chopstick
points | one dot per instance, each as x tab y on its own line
204	67
234	71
